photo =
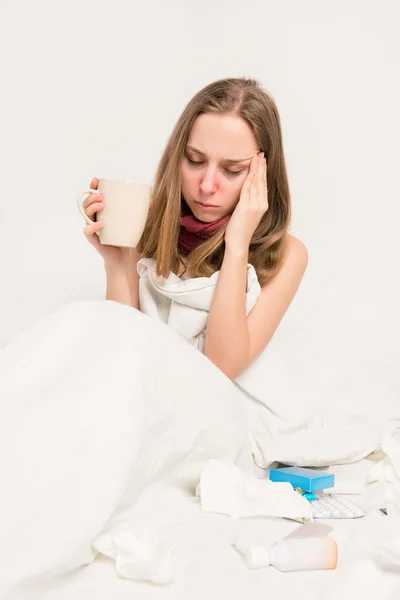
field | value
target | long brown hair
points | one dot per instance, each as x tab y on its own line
245	98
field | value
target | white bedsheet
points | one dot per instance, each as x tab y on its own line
213	569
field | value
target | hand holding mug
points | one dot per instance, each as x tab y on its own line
91	205
123	208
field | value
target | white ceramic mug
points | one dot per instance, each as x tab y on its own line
126	206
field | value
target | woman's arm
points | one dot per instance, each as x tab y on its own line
118	285
123	280
234	340
133	277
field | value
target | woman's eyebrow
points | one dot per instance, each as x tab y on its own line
231	161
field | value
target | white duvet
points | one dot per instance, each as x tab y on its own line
100	403
97	400
280	425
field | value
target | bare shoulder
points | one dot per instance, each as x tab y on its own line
296	253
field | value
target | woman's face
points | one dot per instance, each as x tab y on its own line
215	164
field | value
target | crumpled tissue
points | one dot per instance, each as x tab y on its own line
142	556
226	489
387	471
386	537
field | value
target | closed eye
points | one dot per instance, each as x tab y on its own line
196	164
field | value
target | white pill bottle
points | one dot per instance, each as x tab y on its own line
293	554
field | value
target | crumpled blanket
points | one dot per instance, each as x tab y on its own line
184	305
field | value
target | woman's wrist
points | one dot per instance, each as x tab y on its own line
236	251
122	264
120	267
117	284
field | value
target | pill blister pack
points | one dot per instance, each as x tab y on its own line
334	506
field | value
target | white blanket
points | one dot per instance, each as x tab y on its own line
100	403
267	385
98	400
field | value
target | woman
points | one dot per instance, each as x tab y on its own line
220	201
99	400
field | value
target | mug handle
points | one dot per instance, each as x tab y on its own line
80	207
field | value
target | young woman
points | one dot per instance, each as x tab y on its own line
99	399
220	200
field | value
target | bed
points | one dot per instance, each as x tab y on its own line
97	453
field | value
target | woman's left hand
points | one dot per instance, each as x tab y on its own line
252	205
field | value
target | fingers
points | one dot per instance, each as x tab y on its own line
94	207
91	230
253	192
260	173
250	177
264	170
254	164
92	197
93	203
261	179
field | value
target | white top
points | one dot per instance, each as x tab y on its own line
183	303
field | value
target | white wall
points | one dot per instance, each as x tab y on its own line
94	87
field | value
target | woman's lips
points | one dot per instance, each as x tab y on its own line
206	206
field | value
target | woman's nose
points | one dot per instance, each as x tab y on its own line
208	183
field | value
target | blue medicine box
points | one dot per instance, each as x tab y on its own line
308	480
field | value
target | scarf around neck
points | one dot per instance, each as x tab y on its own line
193	231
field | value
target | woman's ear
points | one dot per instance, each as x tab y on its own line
151	200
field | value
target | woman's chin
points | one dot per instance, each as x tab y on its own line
207	215
206	218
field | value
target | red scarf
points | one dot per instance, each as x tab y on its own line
193	231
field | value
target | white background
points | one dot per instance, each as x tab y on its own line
94	87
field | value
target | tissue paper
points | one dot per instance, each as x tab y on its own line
143	556
226	489
387	471
385	536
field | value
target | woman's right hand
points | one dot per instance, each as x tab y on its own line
113	256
